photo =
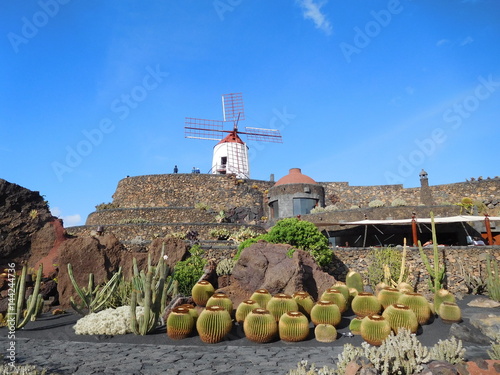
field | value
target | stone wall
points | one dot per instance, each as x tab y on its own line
151	215
185	190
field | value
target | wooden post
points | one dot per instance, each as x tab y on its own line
414	229
488	230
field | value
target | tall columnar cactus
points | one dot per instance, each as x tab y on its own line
17	315
401	317
354	280
213	324
493	280
436	271
375	329
326	312
150	291
94	297
293	326
260	326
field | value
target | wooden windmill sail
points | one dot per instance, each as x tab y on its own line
230	154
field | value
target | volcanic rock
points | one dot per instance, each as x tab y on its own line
269	266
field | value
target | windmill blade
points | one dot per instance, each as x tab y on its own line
263	135
203	129
232	107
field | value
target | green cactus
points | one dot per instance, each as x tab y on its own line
450	312
365	304
192	310
262	297
150	291
342	288
404	287
180	323
493	280
326	312
94	297
375	329
388	296
436	271
354	280
355	325
442	295
293	326
336	297
419	304
18	314
244	308
325	333
213	324
280	304
401	317
220	299
260	326
201	292
305	302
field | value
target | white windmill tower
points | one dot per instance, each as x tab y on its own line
230	155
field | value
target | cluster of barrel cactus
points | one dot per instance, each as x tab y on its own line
265	317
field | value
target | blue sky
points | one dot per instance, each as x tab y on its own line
368	92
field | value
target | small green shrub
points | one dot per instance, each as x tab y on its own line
202	206
106	206
317	210
187	272
220	233
243	234
398	202
135	220
298	233
242	246
225	267
494	353
376	203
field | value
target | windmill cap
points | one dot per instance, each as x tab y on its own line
232	137
295	176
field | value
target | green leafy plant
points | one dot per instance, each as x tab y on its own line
301	235
220	233
243	234
202	206
494	353
436	271
189	271
221	217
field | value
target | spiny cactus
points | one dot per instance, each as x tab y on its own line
93	298
16	315
374	329
326	312
388	296
293	326
221	299
201	292
336	297
245	308
262	297
441	296
354	280
450	312
344	289
305	302
180	323
325	333
192	311
419	304
436	271
493	280
260	326
280	304
355	325
365	304
213	324
401	317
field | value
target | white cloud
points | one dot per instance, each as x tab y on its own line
69	220
466	41
312	11
442	42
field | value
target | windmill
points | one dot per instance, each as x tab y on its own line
230	154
